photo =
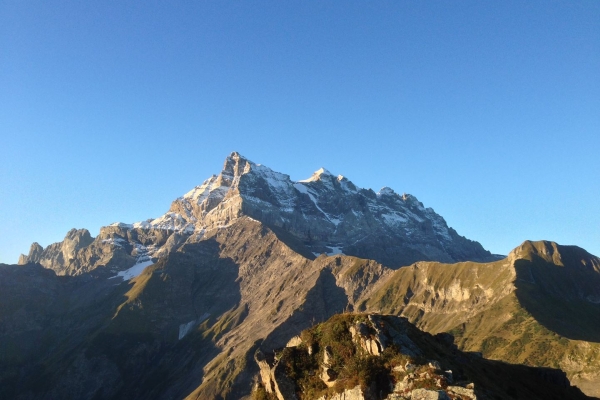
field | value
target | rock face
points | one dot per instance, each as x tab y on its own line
373	339
391	374
328	213
274	379
348	394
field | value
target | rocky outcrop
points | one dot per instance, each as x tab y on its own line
464	392
348	394
389	374
79	253
375	335
34	255
60	254
424	394
273	377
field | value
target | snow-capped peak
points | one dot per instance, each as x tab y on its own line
325	211
198	191
318	175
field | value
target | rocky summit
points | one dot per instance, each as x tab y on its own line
223	297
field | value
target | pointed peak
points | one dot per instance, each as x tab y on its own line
78	234
236	157
318	175
386	191
236	164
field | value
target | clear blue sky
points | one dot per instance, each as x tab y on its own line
489	112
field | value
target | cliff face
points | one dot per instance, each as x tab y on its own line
328	214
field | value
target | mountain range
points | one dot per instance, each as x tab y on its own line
180	306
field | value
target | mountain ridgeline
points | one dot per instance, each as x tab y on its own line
323	214
200	302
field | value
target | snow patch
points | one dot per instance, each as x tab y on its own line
276	180
335	221
115	241
134	271
593	299
335	251
122	225
413	216
394	219
439	225
301	188
316	176
200	193
345	185
184	329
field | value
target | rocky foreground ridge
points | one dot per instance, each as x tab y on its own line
376	357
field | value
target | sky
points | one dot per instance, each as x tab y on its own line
488	112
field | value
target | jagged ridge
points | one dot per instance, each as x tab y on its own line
328	214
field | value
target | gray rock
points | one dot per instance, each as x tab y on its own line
424	394
348	394
461	391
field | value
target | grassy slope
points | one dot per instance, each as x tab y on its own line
531	308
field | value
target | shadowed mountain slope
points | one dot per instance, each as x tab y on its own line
189	325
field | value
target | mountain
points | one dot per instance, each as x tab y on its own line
179	306
324	214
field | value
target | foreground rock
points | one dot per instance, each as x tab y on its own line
374	357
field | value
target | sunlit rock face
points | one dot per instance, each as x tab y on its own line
329	214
